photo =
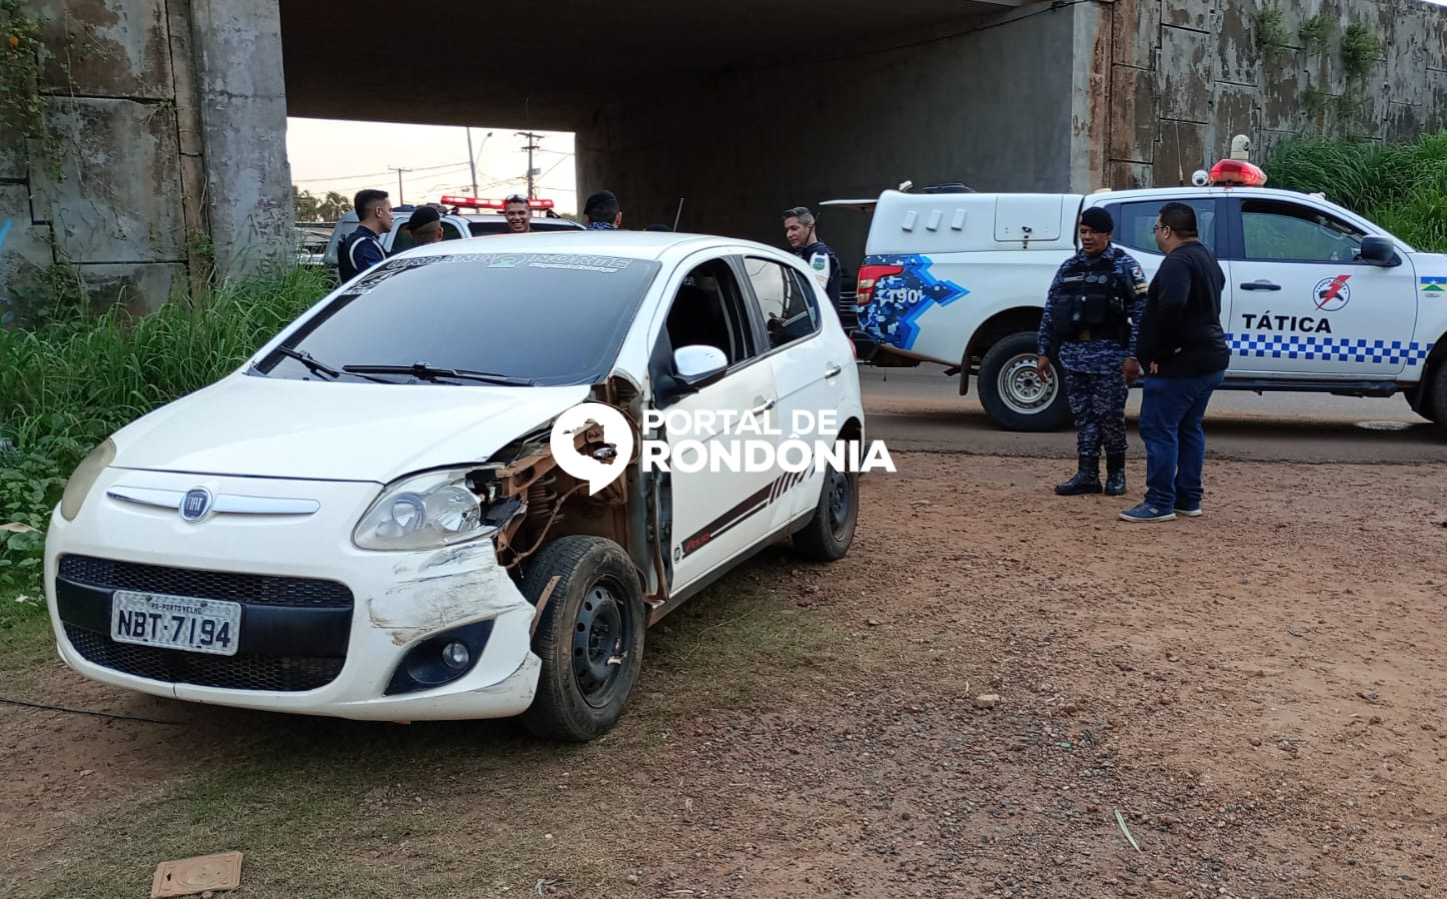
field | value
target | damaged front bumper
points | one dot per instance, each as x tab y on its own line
321	627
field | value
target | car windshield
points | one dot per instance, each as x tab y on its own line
552	319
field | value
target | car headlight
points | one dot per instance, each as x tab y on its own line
84	478
426	511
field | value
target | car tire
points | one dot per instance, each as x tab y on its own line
589	637
1013	395
830	531
1435	409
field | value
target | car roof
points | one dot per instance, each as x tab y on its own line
652	245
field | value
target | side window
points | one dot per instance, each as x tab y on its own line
1135	223
1286	231
402	240
451	231
708	310
786	299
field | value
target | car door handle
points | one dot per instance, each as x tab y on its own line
761	409
1260	285
833	372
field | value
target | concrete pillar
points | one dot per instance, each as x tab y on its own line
166	123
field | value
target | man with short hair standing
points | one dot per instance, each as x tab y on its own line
1184	351
362	248
1092	313
799	226
601	212
519	213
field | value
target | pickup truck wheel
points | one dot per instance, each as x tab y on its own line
1013	394
1435	408
590	637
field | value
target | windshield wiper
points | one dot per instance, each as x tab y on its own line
432	373
315	367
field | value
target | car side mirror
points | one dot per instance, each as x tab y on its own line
699	365
1378	251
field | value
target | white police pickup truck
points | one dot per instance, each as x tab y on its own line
1317	298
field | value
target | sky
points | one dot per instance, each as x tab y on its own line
344	156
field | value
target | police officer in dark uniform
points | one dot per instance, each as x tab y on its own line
362	248
819	256
1092	316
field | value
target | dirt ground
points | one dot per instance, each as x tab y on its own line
1258	693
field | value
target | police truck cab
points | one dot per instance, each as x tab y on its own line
1317	298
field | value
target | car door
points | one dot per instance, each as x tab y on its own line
1301	301
717	510
807	369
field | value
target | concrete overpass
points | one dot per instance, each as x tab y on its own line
744	108
159	152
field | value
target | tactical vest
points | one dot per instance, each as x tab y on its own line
1089	300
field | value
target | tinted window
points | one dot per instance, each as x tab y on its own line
788	303
708	310
1135	223
1288	231
557	318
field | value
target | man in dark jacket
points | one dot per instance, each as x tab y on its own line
362	249
1185	355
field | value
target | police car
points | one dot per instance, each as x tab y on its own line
1317	298
374	516
456	224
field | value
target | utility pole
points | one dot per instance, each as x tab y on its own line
472	160
530	148
401	198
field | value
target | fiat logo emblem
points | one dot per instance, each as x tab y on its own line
195	504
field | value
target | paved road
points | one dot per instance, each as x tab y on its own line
921	409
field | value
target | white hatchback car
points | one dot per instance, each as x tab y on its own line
366	519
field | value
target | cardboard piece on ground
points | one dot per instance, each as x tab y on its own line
196	875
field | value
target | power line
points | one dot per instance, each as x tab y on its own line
401	197
531	136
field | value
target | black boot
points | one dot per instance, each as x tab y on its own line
1086	480
1115	474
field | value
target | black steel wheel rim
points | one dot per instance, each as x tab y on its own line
602	633
839	501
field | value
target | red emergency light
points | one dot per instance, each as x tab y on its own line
1237	171
476	203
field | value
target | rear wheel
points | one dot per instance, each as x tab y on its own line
1012	391
1435	409
590	637
830	532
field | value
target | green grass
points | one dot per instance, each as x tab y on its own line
72	377
1401	187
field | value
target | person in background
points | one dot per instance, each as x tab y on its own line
425	224
1092	313
799	231
519	213
362	248
1185	354
601	212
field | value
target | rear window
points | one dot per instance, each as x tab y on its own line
559	319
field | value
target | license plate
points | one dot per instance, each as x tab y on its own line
176	622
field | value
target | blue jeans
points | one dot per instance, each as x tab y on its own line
1170	427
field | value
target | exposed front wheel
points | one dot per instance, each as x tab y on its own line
1012	391
590	637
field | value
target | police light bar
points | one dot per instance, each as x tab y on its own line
476	203
1237	171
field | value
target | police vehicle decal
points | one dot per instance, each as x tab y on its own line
900	299
1328	349
1331	294
1434	284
